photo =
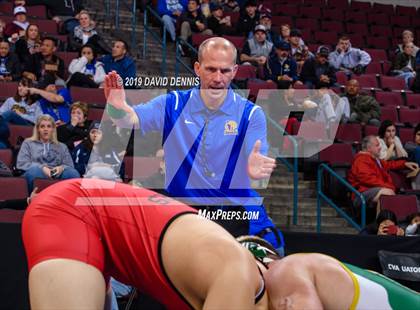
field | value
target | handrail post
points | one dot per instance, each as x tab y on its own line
295	183
145	31
133	25
318	200
176	57
117	14
107	9
164	51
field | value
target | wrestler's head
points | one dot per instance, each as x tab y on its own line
262	250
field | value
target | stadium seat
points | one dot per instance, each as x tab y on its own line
255	86
318	3
324	37
405	135
374	68
361	29
415	23
6	8
234	17
338	153
6	156
380	30
349	133
410	116
386	67
287	10
342	78
92	96
332	14
339	4
307	23
197	38
307	35
39	11
366	80
360	6
389	98
371	130
246	72
46	25
67	57
7	89
378	42
357	40
413	100
44	183
332	26
18	133
405	10
280	20
140	168
238	41
310	12
377	54
389	113
387	9
95	114
13	188
402	21
397	32
401	205
377	20
354	17
392	83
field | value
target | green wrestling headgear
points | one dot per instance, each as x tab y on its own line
262	250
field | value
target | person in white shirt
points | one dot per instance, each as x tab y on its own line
391	146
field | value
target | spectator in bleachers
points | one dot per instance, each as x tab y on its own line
85	33
220	25
205	8
265	20
86	71
257	49
413	148
193	21
330	107
248	19
364	109
53	102
231	6
17	28
285	32
157	180
21	109
413	229
42	156
119	60
280	67
45	63
370	175
94	157
170	11
317	72
391	146
77	129
10	69
2	27
299	51
407	37
404	65
349	59
29	44
384	220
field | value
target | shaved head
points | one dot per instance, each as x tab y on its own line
352	87
216	43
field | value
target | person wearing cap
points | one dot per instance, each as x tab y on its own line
220	25
10	69
17	28
53	102
248	19
349	59
42	156
298	50
317	72
95	158
265	20
45	63
193	21
170	11
281	68
257	49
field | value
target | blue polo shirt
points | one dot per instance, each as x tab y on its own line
206	152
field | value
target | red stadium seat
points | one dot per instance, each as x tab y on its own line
357	40
361	29
338	153
405	10
19	132
307	35
7	89
392	83
378	42
6	156
6	8
374	68
324	37
95	114
410	116
386	67
354	17
415	23
140	168
371	130
234	17
389	113
13	188
360	6
288	10
389	98
332	26
377	54
383	8
342	78
366	80
413	100
402	21
39	11
318	3
46	25
44	183
310	12
406	135
246	72
397	32
332	14
280	20
401	205
67	57
92	96
307	23
349	133
339	4
255	87
237	41
377	19
198	38
380	30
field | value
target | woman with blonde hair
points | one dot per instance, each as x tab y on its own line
42	156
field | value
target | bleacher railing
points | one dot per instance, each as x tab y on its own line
159	39
132	8
321	196
178	56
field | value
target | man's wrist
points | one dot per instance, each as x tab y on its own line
114	112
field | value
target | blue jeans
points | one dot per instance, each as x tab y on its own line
169	23
14	118
36	172
406	76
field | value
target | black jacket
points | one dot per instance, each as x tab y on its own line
310	72
13	66
35	65
188	17
68	134
247	24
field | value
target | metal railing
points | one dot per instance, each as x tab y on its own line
155	36
132	8
178	60
322	197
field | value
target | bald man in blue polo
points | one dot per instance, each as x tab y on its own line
215	141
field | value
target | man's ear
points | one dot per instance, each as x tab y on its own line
197	68
235	70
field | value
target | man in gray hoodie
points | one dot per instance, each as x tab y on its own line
349	59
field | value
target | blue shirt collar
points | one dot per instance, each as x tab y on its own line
227	107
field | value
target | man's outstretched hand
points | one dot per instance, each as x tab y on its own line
260	166
114	91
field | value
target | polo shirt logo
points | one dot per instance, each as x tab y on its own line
231	128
